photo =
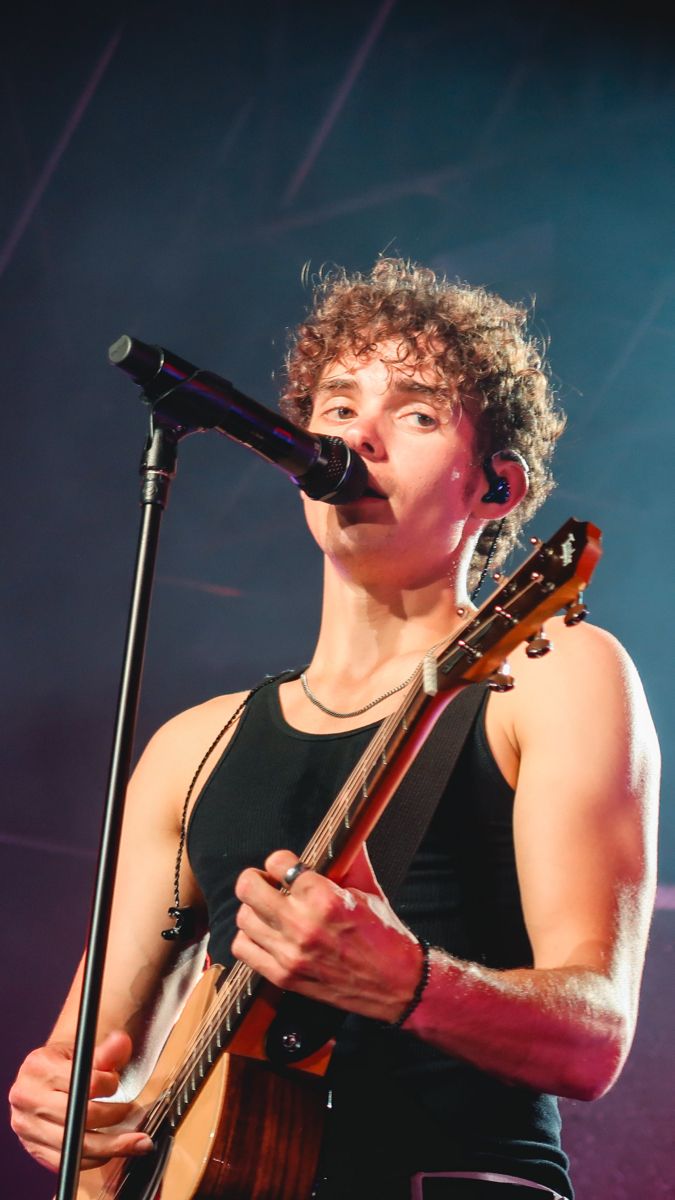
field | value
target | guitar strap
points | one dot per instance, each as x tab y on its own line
400	831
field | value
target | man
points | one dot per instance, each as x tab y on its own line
535	881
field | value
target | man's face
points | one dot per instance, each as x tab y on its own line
421	462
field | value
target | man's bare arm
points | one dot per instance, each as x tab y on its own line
585	840
146	977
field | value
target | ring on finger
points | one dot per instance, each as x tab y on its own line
290	876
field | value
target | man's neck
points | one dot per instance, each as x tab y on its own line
365	628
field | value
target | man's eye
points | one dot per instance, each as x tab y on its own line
422	420
341	411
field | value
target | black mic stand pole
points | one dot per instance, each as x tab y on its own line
158	467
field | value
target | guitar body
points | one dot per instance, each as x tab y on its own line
251	1133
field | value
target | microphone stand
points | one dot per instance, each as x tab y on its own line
183	400
158	467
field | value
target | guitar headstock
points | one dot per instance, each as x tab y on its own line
553	577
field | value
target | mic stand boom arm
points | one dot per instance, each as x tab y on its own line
158	468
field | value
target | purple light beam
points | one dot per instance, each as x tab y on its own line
41	184
353	71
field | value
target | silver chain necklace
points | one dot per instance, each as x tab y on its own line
330	712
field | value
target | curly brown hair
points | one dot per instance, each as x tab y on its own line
478	345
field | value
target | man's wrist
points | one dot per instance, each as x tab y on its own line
422	982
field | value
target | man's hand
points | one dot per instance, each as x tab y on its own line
39	1098
343	945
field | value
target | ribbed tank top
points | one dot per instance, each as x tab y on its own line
398	1105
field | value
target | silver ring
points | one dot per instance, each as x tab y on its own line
292	873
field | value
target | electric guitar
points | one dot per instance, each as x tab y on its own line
235	1103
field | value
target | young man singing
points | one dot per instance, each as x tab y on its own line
534	883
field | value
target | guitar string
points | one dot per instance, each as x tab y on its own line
319	845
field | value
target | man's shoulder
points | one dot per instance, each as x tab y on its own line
200	723
576	652
195	735
587	681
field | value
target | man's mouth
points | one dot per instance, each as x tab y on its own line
372	492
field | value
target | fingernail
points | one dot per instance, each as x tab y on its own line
145	1143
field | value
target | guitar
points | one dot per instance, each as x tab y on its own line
235	1103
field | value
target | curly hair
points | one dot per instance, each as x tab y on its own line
477	344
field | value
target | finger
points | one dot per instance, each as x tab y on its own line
49	1110
284	970
114	1052
258	930
101	1114
100	1146
253	889
277	863
43	1138
52	1111
104	1084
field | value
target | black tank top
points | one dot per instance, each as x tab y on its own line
398	1105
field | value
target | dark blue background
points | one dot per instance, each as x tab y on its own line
167	170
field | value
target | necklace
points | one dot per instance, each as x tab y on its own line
357	711
330	712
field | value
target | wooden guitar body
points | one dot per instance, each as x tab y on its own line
221	1148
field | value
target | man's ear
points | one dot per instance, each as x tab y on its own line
507	478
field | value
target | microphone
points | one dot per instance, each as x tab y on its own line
193	400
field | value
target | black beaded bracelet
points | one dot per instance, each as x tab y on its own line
419	990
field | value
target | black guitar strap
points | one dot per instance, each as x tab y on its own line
400	831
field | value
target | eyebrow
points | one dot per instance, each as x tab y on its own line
401	387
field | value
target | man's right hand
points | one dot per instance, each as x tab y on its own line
39	1097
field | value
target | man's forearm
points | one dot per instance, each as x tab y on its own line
557	1030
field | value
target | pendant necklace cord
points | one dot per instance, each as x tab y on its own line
184	927
488	560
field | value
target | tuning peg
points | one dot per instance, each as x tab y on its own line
576	611
501	681
538	645
506	616
471	652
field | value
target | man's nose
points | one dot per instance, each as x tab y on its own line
364	434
